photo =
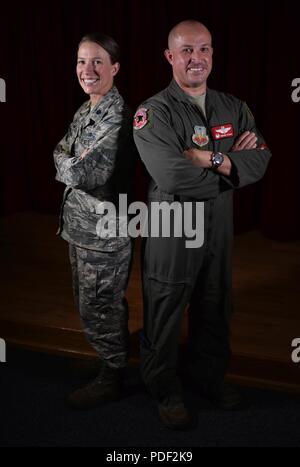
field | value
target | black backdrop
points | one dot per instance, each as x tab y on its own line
256	58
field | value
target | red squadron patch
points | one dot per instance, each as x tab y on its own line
263	147
223	131
141	119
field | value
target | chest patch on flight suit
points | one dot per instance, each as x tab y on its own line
223	131
200	138
141	119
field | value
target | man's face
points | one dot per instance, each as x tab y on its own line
190	55
95	71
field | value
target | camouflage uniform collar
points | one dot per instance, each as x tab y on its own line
179	94
102	105
106	101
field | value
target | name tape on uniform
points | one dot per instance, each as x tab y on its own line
223	131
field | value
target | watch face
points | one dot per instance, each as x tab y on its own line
218	158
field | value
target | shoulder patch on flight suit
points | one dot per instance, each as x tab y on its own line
263	147
142	118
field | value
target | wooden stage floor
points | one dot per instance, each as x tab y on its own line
37	304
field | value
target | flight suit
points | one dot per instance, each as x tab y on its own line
173	275
100	265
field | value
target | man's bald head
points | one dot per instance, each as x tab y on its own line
190	53
181	28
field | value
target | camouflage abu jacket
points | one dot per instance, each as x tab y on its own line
106	171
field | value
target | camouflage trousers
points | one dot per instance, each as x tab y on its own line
100	280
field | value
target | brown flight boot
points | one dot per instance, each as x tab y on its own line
174	415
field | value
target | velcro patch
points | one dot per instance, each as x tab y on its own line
223	131
262	147
141	119
200	138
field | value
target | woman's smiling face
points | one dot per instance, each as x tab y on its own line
95	71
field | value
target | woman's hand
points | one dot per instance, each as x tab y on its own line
84	154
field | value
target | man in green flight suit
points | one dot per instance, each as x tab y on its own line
198	145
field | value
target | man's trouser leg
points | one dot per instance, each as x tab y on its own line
166	291
100	280
210	311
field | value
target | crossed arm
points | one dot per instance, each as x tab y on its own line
202	159
96	164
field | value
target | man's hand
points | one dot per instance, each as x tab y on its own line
247	140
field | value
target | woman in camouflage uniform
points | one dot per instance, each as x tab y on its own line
92	160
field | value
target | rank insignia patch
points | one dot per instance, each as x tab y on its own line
141	119
223	131
200	138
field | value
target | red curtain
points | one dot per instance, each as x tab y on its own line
255	59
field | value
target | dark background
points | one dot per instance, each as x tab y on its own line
256	58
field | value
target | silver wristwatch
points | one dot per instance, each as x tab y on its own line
217	159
